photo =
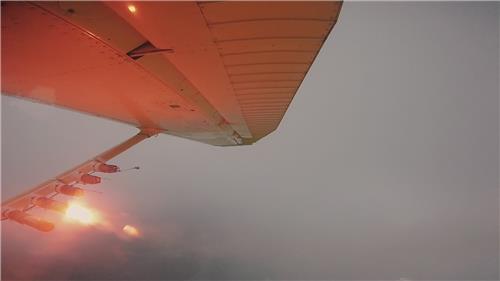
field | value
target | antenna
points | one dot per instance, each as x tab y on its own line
133	168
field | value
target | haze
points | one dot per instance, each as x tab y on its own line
384	167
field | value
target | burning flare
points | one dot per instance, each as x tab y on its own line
78	213
131	231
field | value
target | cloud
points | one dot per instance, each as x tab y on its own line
94	254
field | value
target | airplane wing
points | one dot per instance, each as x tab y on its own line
222	73
65	184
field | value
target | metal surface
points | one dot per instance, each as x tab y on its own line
215	68
223	73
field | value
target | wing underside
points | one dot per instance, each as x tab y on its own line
222	73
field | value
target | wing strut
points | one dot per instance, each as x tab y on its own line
17	207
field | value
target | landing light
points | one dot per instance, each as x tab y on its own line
132	9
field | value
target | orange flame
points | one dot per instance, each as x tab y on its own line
131	231
76	212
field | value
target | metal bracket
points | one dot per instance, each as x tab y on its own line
146	49
150	131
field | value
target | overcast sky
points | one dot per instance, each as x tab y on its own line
384	167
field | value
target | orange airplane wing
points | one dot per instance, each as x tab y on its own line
222	73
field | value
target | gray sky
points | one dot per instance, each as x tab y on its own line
384	167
